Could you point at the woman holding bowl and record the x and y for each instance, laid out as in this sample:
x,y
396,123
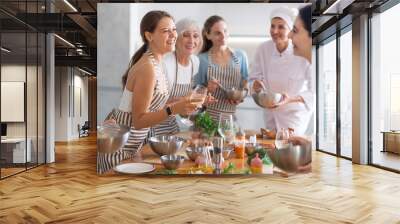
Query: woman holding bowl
x,y
279,71
221,66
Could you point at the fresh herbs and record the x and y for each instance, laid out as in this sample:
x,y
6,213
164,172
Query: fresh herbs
x,y
206,124
230,168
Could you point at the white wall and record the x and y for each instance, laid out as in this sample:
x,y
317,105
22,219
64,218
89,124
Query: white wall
x,y
70,84
116,44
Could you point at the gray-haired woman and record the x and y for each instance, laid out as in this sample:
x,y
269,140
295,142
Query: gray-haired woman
x,y
181,66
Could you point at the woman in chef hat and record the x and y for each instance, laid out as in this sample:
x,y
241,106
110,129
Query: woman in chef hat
x,y
278,70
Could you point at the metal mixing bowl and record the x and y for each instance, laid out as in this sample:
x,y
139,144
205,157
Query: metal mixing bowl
x,y
165,145
172,162
111,138
266,99
235,94
194,152
291,158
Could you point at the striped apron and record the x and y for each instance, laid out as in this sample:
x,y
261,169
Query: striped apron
x,y
229,76
137,137
170,126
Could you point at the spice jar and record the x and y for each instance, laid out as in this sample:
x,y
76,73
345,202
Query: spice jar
x,y
256,165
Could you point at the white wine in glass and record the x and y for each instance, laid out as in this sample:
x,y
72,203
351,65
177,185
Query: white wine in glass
x,y
197,98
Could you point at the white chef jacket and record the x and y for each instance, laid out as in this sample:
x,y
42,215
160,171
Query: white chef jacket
x,y
285,73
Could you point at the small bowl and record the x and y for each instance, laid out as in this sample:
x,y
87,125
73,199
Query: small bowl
x,y
165,145
172,162
266,99
194,152
236,94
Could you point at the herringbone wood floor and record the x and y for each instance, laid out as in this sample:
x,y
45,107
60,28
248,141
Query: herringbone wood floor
x,y
69,191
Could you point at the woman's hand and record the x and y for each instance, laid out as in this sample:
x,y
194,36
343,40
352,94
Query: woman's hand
x,y
212,85
210,100
297,140
110,122
258,85
284,100
235,102
184,106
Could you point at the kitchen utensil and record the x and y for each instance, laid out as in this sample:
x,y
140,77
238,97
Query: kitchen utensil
x,y
111,137
291,158
134,168
172,162
165,145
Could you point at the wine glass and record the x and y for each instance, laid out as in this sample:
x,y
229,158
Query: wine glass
x,y
282,138
197,97
226,127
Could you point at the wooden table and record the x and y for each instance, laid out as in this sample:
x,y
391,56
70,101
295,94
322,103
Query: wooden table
x,y
189,168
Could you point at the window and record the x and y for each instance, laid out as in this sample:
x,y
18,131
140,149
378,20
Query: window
x,y
385,89
327,96
346,93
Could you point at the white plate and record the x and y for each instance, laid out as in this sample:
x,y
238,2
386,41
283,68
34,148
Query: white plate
x,y
134,168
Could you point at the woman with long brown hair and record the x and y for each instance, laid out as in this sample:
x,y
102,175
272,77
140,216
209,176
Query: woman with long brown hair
x,y
301,34
220,65
146,88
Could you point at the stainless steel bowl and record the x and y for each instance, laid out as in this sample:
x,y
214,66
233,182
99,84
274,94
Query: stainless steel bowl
x,y
266,99
111,138
291,158
194,152
165,145
235,94
172,162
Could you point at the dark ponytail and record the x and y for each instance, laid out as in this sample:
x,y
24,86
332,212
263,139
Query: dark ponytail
x,y
206,30
305,16
148,24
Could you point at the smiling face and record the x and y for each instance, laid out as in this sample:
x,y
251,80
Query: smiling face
x,y
188,41
218,34
279,30
301,40
164,36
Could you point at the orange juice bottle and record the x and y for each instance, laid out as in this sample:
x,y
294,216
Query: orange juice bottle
x,y
240,144
239,149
